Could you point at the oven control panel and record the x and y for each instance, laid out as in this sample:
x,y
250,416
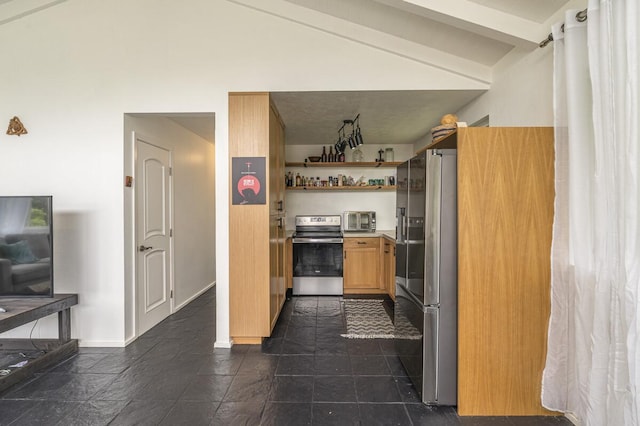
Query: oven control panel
x,y
332,220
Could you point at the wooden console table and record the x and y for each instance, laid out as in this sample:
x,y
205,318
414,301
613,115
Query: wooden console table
x,y
23,310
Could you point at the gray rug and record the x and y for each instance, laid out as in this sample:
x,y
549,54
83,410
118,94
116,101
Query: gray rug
x,y
368,319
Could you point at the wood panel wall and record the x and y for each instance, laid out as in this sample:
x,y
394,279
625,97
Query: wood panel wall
x,y
249,224
505,217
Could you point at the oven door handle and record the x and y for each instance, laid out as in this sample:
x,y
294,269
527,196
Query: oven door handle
x,y
317,240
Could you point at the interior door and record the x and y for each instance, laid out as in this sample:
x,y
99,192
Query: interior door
x,y
153,219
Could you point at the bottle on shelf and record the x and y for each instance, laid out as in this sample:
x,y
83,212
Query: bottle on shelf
x,y
330,157
341,157
298,181
323,157
357,155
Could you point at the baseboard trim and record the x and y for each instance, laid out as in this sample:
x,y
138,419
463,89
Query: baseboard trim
x,y
103,343
219,344
195,296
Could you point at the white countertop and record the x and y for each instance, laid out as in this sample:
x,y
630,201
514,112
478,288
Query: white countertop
x,y
391,234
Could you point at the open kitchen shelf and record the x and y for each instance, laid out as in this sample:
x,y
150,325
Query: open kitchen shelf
x,y
346,164
342,188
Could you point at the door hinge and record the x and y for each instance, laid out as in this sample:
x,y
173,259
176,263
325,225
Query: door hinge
x,y
170,171
170,232
171,294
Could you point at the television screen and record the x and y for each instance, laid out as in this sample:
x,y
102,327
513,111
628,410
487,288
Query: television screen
x,y
26,246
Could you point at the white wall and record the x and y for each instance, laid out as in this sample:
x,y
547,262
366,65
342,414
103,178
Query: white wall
x,y
334,202
193,204
521,93
76,68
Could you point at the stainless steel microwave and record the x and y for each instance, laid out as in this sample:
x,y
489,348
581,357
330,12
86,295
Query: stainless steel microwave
x,y
360,221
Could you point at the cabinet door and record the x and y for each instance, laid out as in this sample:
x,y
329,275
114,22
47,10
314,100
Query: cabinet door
x,y
505,221
282,259
277,284
389,274
276,163
362,264
274,270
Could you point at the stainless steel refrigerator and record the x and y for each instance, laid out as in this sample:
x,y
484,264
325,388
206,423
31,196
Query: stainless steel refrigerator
x,y
425,314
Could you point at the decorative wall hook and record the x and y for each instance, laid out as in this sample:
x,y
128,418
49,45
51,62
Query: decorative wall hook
x,y
16,127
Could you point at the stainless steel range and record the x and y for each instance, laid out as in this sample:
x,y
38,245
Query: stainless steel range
x,y
317,255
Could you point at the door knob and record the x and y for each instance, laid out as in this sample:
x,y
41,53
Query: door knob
x,y
143,248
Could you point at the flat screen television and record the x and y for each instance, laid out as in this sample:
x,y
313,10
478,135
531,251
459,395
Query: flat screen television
x,y
26,246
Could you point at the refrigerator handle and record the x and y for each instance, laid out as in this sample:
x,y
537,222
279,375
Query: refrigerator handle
x,y
404,227
401,224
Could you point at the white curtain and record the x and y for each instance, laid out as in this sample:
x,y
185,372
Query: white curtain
x,y
593,354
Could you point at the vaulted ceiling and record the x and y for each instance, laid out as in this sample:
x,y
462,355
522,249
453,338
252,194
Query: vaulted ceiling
x,y
470,38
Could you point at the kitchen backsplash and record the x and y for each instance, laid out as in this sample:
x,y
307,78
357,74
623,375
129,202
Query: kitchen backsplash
x,y
336,202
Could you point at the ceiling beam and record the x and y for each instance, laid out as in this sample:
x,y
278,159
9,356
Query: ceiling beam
x,y
476,18
13,10
372,38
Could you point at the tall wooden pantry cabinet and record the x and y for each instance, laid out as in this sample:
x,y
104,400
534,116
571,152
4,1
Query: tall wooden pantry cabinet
x,y
505,218
256,231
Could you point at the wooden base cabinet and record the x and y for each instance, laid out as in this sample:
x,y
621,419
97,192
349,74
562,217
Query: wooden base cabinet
x,y
389,262
505,218
257,285
362,267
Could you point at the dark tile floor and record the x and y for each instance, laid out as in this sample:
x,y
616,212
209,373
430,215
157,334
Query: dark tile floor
x,y
305,374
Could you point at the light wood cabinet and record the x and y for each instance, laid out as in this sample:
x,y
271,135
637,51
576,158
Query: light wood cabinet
x,y
256,232
505,217
389,262
362,267
277,239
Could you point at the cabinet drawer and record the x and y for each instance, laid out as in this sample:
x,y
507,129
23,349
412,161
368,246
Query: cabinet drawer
x,y
353,243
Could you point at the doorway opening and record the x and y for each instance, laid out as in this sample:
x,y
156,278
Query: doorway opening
x,y
187,268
